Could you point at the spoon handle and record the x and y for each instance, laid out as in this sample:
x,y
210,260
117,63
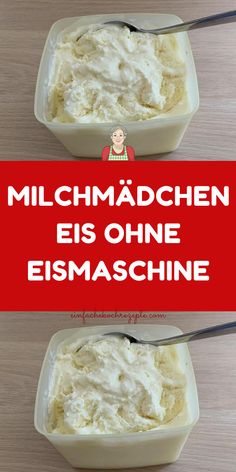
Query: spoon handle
x,y
219,330
219,19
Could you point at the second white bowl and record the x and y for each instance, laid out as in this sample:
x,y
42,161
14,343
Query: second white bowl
x,y
117,451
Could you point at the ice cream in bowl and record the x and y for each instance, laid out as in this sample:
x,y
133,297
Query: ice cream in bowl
x,y
93,75
104,402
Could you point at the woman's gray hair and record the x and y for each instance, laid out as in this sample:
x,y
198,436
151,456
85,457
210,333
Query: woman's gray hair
x,y
115,128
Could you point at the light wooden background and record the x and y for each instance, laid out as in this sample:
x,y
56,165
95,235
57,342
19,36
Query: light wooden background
x,y
24,25
23,341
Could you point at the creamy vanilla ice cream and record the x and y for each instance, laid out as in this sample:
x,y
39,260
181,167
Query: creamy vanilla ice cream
x,y
107,385
109,74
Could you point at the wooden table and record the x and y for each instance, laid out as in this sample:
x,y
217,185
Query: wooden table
x,y
23,341
23,29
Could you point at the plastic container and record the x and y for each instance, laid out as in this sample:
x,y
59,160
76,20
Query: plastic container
x,y
111,451
148,137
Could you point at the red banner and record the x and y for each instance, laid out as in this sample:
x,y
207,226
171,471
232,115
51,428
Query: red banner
x,y
117,236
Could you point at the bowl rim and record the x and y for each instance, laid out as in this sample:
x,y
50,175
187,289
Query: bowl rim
x,y
139,435
128,124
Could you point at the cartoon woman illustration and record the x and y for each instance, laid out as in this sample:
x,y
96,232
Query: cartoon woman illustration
x,y
118,151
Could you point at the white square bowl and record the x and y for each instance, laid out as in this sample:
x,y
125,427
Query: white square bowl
x,y
117,451
154,136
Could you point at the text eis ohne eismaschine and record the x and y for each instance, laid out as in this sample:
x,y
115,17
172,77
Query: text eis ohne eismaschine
x,y
114,233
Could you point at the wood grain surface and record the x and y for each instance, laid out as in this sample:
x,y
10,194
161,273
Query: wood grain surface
x,y
23,341
24,25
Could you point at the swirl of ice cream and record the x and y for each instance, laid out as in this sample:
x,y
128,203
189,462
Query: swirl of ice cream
x,y
109,386
110,74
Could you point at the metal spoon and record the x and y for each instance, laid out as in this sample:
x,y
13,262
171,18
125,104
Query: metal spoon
x,y
219,330
220,18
